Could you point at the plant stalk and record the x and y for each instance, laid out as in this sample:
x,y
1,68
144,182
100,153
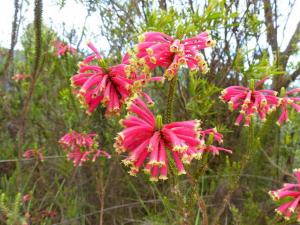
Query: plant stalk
x,y
170,101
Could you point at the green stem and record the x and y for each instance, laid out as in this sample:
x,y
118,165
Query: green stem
x,y
158,122
170,101
252,84
236,180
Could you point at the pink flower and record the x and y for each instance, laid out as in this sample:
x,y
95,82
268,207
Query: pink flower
x,y
81,147
19,77
148,141
292,193
287,101
62,48
97,83
34,153
26,198
250,102
48,213
159,49
210,135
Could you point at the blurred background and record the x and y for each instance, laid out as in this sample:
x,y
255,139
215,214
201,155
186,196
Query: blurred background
x,y
254,38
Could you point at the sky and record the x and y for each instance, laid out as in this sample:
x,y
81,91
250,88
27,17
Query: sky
x,y
73,15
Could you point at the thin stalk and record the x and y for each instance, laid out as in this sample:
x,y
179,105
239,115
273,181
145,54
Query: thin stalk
x,y
137,194
165,201
200,201
244,162
100,191
64,72
170,101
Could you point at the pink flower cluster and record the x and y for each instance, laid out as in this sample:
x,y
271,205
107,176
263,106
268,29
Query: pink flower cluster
x,y
145,138
26,198
111,86
159,49
291,192
81,147
34,153
285,102
61,48
19,77
250,102
210,135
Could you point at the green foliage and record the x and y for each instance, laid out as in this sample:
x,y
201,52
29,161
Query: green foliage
x,y
11,209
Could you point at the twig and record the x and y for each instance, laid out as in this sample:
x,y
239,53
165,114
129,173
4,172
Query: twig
x,y
32,159
200,201
275,165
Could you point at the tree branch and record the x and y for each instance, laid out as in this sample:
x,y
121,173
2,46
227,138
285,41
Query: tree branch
x,y
162,4
294,75
271,29
292,45
13,42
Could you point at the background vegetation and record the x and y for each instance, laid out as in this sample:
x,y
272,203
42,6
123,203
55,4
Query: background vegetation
x,y
36,112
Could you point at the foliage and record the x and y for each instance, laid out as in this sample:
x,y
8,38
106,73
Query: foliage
x,y
103,192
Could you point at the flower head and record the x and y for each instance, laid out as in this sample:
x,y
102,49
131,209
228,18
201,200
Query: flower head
x,y
159,49
250,102
19,77
62,48
208,137
287,101
48,213
26,198
292,193
34,153
97,83
81,147
149,141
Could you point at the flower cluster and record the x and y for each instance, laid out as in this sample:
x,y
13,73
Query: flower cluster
x,y
19,77
291,192
145,138
34,153
81,147
26,198
159,49
250,102
287,101
48,213
208,137
62,49
112,86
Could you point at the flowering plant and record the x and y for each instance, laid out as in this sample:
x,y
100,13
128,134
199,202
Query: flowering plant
x,y
156,144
